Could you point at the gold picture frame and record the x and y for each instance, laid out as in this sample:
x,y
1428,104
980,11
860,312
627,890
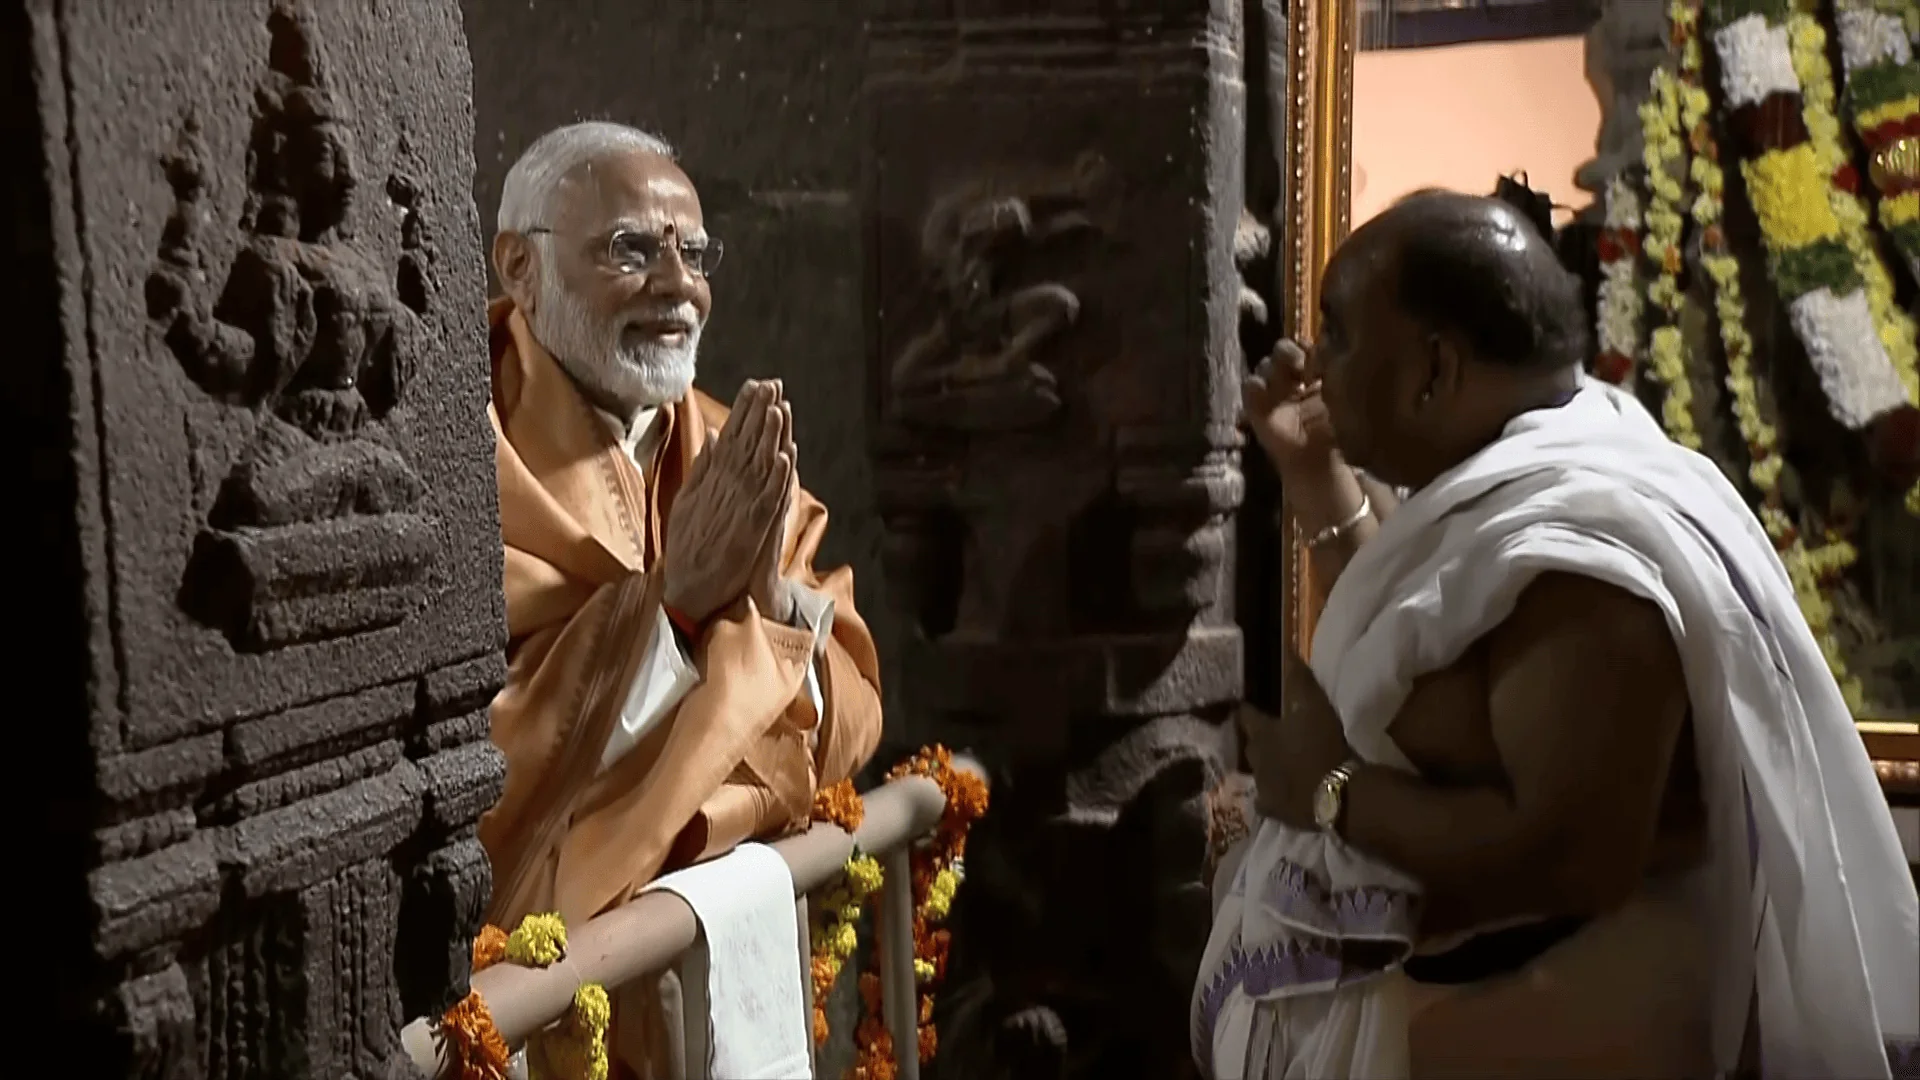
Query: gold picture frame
x,y
1318,180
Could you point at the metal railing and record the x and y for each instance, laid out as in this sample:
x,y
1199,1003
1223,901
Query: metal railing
x,y
655,930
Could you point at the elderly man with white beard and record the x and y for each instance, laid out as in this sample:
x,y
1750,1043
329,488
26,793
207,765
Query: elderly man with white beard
x,y
680,678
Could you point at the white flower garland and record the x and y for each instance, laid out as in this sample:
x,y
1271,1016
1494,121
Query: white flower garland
x,y
1846,353
1791,193
1620,301
1757,59
1869,37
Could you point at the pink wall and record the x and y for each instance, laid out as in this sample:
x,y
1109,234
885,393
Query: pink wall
x,y
1460,116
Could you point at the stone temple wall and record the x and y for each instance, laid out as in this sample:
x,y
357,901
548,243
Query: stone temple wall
x,y
262,619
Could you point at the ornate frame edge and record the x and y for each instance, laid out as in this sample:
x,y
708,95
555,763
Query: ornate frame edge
x,y
1318,176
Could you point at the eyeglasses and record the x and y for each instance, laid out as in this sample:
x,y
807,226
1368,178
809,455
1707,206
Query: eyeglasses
x,y
630,251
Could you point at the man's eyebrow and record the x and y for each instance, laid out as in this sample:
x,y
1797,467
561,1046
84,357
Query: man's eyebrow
x,y
632,224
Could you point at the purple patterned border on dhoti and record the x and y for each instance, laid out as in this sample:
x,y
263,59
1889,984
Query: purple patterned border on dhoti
x,y
1345,936
1273,968
1370,912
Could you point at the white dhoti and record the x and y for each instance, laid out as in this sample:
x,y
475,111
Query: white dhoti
x,y
1805,909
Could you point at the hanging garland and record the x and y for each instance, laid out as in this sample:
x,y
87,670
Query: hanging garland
x,y
939,867
833,923
575,1048
1617,328
1897,434
1883,98
1812,572
1665,153
1808,258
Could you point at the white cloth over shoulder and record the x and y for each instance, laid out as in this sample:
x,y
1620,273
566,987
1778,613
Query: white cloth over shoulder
x,y
758,1026
1815,906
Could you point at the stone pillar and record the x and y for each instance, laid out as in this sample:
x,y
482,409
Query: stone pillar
x,y
1623,48
1051,193
261,554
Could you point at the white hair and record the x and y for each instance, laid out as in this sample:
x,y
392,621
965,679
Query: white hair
x,y
526,199
603,356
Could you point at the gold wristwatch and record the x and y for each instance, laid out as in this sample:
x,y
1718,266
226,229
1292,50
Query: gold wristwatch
x,y
1330,798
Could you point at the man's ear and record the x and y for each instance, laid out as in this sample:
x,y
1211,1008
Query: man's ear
x,y
1446,367
518,266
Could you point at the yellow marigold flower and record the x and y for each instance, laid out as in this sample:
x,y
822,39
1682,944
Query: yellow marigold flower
x,y
538,941
864,876
922,970
1868,119
845,939
940,893
1902,209
1790,198
591,1007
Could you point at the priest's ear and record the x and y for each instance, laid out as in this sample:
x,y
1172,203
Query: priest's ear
x,y
1443,367
517,262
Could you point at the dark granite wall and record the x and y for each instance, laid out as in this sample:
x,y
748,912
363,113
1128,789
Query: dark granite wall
x,y
261,527
760,98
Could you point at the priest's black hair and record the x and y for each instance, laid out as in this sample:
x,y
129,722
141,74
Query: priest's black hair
x,y
1501,288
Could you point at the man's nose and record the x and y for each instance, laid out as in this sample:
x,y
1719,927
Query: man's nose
x,y
670,278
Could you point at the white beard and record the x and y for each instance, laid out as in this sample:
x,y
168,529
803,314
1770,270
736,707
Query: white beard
x,y
610,359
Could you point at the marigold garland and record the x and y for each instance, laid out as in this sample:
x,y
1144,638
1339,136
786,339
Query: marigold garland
x,y
1664,151
1883,91
1883,102
575,1048
833,917
1810,571
1617,324
1790,180
939,868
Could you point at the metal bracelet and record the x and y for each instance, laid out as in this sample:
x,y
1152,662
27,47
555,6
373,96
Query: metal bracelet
x,y
1334,532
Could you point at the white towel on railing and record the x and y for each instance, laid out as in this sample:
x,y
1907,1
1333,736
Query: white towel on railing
x,y
757,1014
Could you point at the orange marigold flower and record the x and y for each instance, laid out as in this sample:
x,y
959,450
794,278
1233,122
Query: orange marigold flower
x,y
929,1042
473,1045
839,804
489,947
820,1031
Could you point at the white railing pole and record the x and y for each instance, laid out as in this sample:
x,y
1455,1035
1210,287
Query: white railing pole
x,y
801,914
650,933
696,1011
899,992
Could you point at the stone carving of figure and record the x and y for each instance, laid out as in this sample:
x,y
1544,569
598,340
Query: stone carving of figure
x,y
312,334
990,326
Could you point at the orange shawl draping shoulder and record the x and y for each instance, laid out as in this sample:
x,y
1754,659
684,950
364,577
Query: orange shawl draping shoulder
x,y
582,530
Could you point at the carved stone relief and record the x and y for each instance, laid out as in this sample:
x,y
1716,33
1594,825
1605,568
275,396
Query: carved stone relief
x,y
264,499
318,340
1056,373
979,366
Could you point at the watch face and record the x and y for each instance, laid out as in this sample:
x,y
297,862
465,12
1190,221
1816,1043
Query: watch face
x,y
1326,805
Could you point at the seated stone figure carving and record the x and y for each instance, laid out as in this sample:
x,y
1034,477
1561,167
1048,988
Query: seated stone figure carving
x,y
680,676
